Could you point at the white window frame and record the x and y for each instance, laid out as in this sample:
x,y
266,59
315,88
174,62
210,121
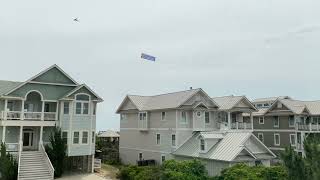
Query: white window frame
x,y
276,120
163,117
158,144
261,118
64,137
143,117
186,118
163,155
295,137
261,134
93,138
274,139
139,156
200,145
207,112
64,107
78,137
294,121
87,137
82,102
175,140
123,117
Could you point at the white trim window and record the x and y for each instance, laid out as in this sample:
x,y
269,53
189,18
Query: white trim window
x,y
65,136
66,107
93,137
183,119
207,117
260,137
76,137
293,139
123,117
261,120
158,142
276,121
82,103
173,140
140,156
276,138
142,116
163,158
202,145
85,136
291,121
163,116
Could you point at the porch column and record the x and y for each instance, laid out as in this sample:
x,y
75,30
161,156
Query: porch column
x,y
5,109
4,134
57,108
251,120
20,139
42,111
229,120
302,142
22,110
41,132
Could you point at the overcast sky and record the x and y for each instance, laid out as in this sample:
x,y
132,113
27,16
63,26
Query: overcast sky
x,y
242,47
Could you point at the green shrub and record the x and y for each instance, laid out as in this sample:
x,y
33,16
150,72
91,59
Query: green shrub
x,y
57,152
8,165
245,172
133,172
184,170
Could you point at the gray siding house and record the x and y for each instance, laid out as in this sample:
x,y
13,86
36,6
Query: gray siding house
x,y
190,124
30,110
283,121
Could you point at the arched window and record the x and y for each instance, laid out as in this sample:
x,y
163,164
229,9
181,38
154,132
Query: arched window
x,y
82,104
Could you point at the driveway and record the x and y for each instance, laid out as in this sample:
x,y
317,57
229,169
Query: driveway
x,y
82,177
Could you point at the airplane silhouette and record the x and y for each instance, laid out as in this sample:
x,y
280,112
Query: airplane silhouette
x,y
76,19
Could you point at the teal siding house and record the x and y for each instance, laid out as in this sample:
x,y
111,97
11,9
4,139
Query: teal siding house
x,y
30,110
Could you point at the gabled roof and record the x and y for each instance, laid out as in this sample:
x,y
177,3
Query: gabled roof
x,y
162,101
38,75
270,99
226,149
6,86
79,87
296,107
229,102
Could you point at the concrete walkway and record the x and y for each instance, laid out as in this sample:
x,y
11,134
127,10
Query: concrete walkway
x,y
82,177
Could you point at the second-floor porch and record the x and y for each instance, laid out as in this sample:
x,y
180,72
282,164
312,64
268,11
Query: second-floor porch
x,y
31,108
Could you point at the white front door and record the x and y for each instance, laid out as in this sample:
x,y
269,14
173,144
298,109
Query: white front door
x,y
27,140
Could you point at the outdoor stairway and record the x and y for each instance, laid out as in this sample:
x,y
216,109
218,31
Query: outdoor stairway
x,y
33,166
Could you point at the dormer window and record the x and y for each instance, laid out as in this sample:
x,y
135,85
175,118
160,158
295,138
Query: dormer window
x,y
202,145
82,104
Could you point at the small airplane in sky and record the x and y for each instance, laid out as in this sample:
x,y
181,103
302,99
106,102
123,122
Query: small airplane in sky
x,y
76,19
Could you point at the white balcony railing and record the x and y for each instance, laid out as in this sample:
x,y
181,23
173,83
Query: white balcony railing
x,y
12,147
308,127
97,163
49,116
241,125
16,115
32,115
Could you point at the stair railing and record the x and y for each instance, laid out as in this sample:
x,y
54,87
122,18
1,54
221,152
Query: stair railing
x,y
19,158
45,155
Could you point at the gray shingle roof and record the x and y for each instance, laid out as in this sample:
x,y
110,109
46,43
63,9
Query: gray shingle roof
x,y
226,149
268,99
227,102
6,86
163,101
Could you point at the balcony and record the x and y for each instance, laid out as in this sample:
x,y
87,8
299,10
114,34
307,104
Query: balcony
x,y
308,127
241,125
31,116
